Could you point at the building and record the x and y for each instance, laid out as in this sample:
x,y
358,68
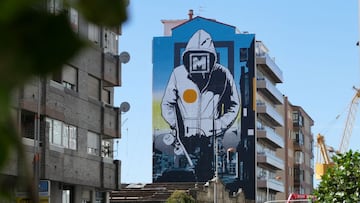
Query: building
x,y
199,67
269,126
285,159
299,154
263,167
68,121
160,192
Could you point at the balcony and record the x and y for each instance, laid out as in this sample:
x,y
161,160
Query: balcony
x,y
271,184
269,90
112,70
269,66
299,176
269,113
271,160
29,96
270,136
93,58
297,123
111,125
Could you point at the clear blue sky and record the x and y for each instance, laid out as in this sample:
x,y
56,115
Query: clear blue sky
x,y
313,43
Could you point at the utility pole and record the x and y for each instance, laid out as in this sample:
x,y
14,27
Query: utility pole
x,y
36,160
216,157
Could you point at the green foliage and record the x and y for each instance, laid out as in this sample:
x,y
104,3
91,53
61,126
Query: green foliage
x,y
35,42
180,197
341,183
94,11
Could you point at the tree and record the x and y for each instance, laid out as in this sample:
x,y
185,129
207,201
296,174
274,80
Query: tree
x,y
341,183
179,196
36,42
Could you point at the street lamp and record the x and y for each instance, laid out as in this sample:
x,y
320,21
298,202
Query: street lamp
x,y
267,185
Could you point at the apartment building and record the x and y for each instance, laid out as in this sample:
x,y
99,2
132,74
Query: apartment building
x,y
269,126
285,160
299,156
265,158
68,121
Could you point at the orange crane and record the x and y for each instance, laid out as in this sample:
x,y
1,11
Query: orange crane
x,y
325,161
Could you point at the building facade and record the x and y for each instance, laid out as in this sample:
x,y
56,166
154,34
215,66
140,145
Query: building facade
x,y
68,121
267,155
285,160
203,97
299,156
269,125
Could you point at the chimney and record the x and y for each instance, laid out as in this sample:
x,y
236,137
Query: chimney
x,y
191,13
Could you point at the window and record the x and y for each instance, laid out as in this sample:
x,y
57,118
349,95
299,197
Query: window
x,y
299,157
106,148
110,42
94,87
93,143
100,197
68,77
93,33
66,196
105,96
74,19
299,190
243,54
28,124
55,6
298,138
297,118
86,196
62,134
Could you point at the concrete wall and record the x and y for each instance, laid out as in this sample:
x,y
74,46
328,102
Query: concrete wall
x,y
222,194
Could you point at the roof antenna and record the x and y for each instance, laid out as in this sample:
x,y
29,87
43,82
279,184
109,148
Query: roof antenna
x,y
191,13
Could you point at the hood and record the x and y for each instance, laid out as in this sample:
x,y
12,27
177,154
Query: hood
x,y
200,41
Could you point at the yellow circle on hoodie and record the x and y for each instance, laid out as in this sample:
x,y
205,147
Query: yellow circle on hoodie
x,y
190,96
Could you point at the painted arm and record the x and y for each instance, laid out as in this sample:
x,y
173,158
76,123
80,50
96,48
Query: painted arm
x,y
169,101
230,106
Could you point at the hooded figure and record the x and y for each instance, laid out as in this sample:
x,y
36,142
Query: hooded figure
x,y
203,91
200,102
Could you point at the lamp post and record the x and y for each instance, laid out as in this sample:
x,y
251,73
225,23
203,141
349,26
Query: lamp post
x,y
267,185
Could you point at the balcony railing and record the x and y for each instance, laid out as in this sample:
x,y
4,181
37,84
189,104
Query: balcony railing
x,y
270,113
111,125
112,70
265,86
270,67
271,184
270,159
271,136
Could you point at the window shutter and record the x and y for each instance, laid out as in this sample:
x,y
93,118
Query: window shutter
x,y
70,75
93,143
93,87
93,33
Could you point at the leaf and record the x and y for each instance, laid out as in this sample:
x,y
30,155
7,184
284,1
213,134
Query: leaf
x,y
341,182
36,43
10,8
104,12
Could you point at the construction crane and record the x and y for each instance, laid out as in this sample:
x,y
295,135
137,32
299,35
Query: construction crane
x,y
344,144
325,161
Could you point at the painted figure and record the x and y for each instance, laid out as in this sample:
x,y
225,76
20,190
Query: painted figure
x,y
200,103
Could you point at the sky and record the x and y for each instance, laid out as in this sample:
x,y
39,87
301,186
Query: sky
x,y
312,42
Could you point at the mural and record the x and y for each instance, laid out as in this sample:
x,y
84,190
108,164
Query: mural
x,y
202,105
